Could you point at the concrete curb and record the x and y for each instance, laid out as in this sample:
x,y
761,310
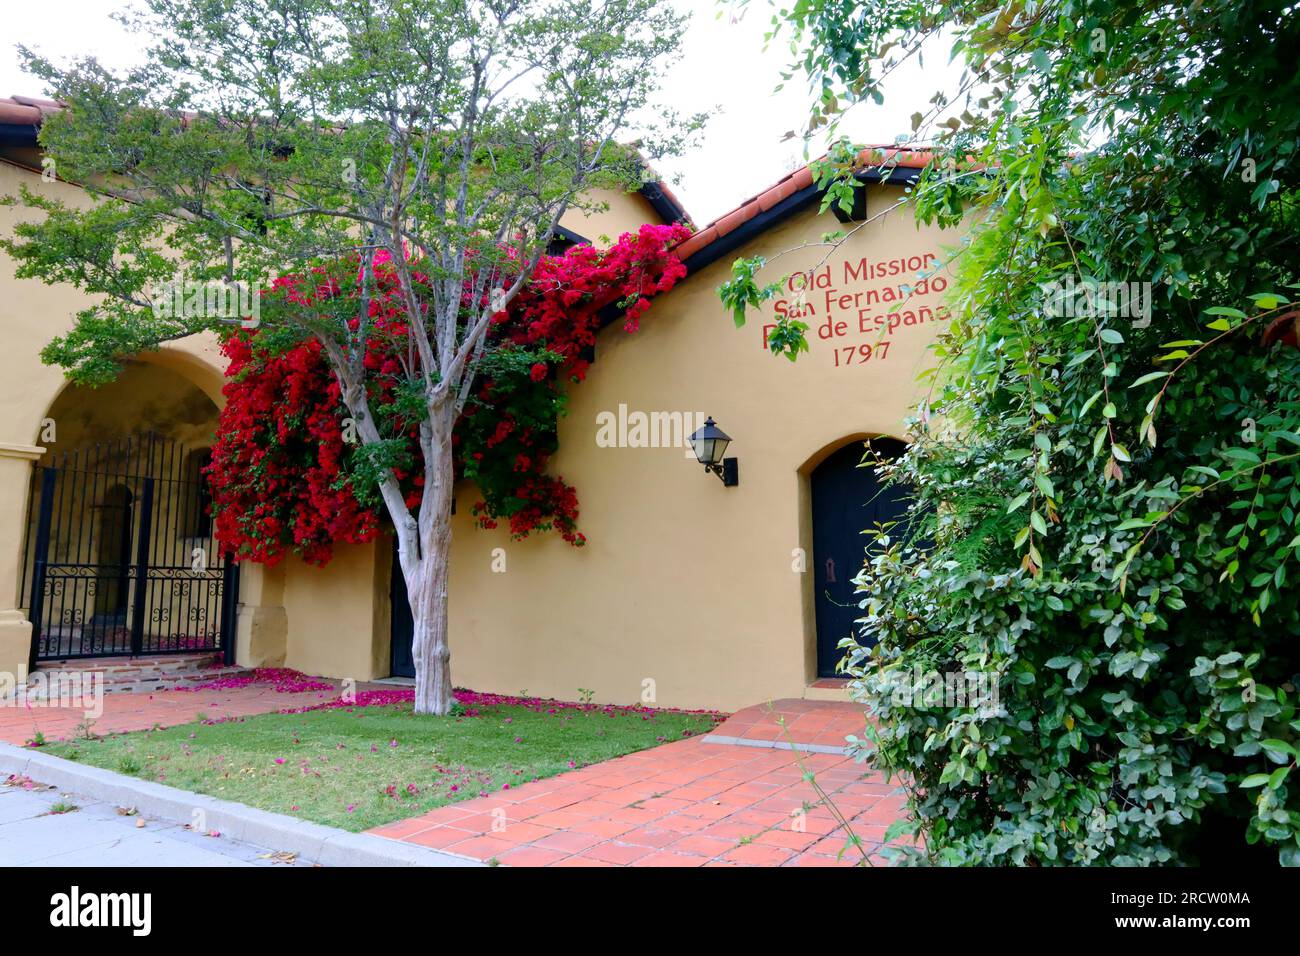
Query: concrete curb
x,y
775,745
328,846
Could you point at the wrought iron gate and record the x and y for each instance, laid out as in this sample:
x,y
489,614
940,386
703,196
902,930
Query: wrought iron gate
x,y
120,555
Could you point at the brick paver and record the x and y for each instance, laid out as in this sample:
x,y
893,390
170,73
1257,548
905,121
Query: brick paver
x,y
691,803
140,711
695,802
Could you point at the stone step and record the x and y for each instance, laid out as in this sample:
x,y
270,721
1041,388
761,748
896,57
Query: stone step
x,y
161,663
131,675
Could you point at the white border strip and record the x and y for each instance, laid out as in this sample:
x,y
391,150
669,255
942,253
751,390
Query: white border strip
x,y
776,745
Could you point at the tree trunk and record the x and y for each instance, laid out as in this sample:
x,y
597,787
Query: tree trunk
x,y
426,577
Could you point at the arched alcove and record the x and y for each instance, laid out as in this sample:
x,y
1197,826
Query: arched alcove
x,y
147,398
119,557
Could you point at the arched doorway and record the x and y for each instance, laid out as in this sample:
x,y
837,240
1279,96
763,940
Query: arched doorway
x,y
119,557
846,500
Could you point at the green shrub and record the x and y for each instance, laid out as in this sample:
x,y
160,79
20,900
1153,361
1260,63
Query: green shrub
x,y
1107,514
1130,724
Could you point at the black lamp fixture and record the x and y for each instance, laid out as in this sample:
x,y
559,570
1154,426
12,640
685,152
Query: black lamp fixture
x,y
710,444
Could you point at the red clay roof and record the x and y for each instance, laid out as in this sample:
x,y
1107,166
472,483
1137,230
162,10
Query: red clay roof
x,y
26,110
32,110
872,156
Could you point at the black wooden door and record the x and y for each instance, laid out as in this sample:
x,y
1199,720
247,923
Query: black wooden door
x,y
846,500
403,625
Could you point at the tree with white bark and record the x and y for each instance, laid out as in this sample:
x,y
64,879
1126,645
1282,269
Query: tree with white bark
x,y
441,139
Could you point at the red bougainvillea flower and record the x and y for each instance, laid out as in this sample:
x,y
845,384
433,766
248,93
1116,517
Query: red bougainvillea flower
x,y
281,470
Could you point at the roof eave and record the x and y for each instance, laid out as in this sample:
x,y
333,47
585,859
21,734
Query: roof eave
x,y
663,202
18,134
783,210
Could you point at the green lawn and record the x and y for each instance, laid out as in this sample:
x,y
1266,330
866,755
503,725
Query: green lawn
x,y
360,767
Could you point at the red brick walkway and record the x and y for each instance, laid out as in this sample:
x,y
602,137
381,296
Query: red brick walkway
x,y
690,803
697,802
140,711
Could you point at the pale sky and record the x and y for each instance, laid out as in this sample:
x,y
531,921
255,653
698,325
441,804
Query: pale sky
x,y
724,71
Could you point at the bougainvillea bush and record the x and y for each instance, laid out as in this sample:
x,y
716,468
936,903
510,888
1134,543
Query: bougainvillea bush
x,y
285,477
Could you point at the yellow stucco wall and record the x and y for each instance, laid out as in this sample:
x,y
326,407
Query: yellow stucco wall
x,y
338,615
621,213
332,621
31,314
685,582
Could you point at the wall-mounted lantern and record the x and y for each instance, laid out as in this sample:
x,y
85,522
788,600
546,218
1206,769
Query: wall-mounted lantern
x,y
710,444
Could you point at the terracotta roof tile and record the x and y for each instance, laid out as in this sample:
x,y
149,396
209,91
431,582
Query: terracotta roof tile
x,y
697,242
731,221
26,110
800,179
19,114
778,193
38,101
